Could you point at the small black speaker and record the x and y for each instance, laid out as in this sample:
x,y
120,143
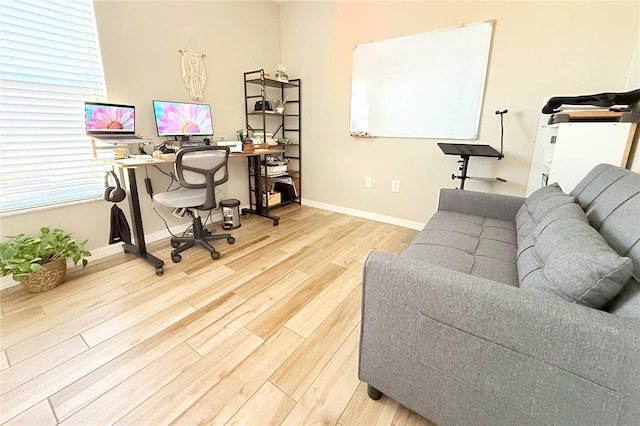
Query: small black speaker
x,y
259,106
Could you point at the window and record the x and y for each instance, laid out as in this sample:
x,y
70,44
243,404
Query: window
x,y
50,64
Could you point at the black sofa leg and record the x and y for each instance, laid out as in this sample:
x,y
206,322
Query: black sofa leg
x,y
373,393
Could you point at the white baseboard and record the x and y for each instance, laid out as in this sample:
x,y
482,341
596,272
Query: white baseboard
x,y
102,252
365,215
109,250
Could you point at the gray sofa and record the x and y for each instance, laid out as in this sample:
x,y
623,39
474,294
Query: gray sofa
x,y
513,311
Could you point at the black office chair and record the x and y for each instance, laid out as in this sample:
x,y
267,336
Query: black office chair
x,y
199,169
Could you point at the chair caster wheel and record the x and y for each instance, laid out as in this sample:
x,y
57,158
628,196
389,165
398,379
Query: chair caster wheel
x,y
175,245
176,258
159,270
231,240
275,223
215,255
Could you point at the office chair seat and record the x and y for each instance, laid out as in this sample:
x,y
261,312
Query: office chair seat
x,y
182,197
199,169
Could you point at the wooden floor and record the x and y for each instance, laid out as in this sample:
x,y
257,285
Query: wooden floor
x,y
267,334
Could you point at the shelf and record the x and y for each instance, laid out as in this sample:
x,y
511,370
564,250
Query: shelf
x,y
272,113
269,89
271,83
585,116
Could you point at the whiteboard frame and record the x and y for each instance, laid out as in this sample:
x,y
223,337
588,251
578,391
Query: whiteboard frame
x,y
426,85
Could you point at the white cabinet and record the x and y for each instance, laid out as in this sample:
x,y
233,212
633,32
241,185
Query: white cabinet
x,y
542,154
580,146
566,151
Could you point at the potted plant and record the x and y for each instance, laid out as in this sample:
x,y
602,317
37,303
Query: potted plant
x,y
280,103
39,262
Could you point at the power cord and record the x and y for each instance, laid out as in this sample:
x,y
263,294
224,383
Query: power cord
x,y
171,176
166,225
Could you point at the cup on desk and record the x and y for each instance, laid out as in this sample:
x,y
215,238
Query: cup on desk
x,y
120,153
248,146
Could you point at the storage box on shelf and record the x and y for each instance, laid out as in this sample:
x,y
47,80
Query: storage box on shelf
x,y
269,198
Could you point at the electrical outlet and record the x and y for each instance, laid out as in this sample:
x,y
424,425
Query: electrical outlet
x,y
395,185
367,182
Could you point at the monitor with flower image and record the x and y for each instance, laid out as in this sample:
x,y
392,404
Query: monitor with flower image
x,y
182,120
109,119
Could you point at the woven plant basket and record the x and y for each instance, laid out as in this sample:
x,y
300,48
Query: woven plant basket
x,y
51,275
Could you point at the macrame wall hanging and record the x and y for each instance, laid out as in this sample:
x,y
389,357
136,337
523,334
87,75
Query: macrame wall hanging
x,y
193,73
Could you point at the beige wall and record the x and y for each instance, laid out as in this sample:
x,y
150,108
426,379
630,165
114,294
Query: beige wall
x,y
140,43
540,49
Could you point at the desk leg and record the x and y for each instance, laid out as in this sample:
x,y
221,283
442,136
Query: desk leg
x,y
139,247
261,209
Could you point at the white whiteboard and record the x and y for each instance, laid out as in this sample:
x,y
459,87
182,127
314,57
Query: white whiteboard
x,y
428,85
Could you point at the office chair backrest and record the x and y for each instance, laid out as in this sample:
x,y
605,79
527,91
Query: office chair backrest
x,y
203,167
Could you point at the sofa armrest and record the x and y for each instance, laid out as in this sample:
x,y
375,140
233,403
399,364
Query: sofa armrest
x,y
556,362
496,206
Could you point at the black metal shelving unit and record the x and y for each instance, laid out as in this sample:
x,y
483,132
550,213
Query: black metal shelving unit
x,y
260,88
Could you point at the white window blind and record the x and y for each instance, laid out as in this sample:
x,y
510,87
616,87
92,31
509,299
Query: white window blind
x,y
50,64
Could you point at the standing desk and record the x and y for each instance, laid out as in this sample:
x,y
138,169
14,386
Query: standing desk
x,y
128,173
466,151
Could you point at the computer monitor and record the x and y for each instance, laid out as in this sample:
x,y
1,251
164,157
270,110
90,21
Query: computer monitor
x,y
181,119
109,119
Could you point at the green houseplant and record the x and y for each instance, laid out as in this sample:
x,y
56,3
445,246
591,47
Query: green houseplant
x,y
39,262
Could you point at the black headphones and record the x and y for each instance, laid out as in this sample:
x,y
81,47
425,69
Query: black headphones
x,y
114,194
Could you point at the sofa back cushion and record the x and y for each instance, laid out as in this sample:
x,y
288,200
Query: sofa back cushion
x,y
537,206
610,196
565,257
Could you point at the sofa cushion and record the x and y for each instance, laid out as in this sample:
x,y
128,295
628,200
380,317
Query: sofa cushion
x,y
537,206
568,211
471,244
610,196
565,257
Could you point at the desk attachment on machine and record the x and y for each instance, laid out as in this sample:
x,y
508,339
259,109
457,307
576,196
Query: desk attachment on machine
x,y
466,151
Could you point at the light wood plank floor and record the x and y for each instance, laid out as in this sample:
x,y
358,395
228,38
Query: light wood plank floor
x,y
267,334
